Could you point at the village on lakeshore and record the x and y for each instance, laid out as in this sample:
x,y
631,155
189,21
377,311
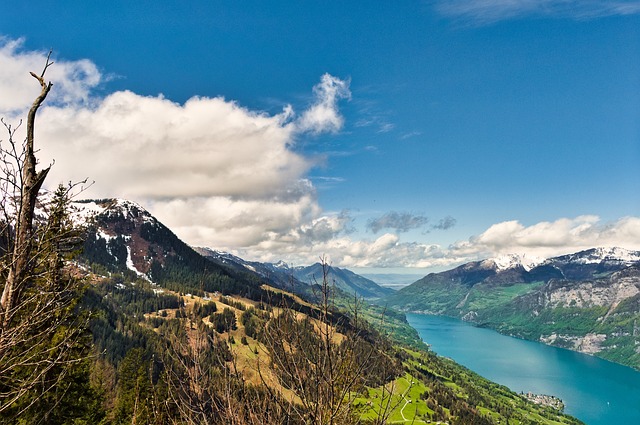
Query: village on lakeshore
x,y
545,400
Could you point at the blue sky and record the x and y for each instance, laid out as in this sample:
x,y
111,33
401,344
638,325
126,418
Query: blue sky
x,y
398,136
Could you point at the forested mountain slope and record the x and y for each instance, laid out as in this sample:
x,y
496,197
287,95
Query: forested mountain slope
x,y
344,279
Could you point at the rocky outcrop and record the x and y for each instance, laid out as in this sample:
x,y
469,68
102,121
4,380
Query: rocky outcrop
x,y
607,292
591,343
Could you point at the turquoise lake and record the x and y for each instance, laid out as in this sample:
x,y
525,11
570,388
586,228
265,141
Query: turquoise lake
x,y
595,391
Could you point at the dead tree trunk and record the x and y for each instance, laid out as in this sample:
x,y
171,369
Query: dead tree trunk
x,y
31,181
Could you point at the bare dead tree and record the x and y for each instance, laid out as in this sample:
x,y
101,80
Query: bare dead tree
x,y
387,402
190,375
40,333
321,367
205,385
28,184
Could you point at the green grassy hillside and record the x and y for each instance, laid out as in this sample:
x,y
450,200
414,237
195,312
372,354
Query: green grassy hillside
x,y
399,385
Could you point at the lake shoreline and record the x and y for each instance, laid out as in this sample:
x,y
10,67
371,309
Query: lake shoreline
x,y
587,349
593,390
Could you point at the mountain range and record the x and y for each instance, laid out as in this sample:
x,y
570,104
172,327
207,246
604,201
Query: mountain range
x,y
297,278
125,237
587,301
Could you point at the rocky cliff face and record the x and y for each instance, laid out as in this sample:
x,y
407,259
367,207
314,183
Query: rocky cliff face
x,y
607,292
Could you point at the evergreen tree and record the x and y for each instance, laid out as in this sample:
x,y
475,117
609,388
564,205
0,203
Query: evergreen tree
x,y
134,390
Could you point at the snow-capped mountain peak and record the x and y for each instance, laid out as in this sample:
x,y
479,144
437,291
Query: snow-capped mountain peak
x,y
85,210
281,265
509,261
603,254
222,256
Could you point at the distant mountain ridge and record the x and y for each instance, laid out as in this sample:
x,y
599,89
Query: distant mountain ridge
x,y
595,261
344,279
587,301
288,277
509,261
521,269
277,273
125,237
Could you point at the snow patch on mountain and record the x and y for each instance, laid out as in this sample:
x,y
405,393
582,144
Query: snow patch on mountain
x,y
133,268
132,209
615,255
222,256
510,261
281,265
102,235
83,211
609,254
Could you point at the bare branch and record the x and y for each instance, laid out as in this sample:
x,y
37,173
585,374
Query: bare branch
x,y
41,332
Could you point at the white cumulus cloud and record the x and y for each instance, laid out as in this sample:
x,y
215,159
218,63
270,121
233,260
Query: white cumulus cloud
x,y
551,238
324,115
217,173
73,80
150,147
